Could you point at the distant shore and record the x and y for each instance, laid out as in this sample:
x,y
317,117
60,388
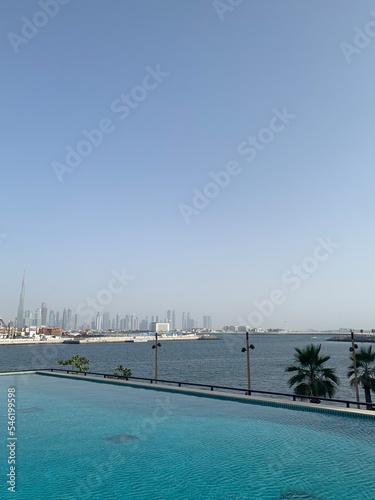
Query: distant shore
x,y
48,340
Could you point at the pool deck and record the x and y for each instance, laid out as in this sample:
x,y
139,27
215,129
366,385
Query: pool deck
x,y
267,401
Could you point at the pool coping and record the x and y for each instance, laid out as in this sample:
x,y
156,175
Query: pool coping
x,y
264,401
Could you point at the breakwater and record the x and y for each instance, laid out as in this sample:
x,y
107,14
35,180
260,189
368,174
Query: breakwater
x,y
359,337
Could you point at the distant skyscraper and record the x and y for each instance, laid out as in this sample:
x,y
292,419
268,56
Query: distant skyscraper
x,y
38,317
57,320
44,314
52,319
98,323
106,321
169,317
76,320
118,319
69,319
173,320
207,322
65,320
21,305
183,321
29,318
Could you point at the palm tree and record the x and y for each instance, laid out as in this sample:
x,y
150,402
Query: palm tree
x,y
124,372
365,361
312,377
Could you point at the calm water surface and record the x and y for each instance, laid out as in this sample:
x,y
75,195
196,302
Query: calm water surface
x,y
218,362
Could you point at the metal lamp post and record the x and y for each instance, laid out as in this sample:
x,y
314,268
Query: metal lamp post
x,y
247,350
155,346
352,349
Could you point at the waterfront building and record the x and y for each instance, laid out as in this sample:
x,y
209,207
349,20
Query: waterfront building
x,y
76,321
173,320
50,330
159,327
118,320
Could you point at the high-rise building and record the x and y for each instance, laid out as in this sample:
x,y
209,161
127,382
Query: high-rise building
x,y
21,305
38,317
70,319
207,322
65,320
57,320
173,320
44,314
190,323
98,322
52,319
106,321
183,321
169,317
132,320
136,324
29,318
118,319
76,321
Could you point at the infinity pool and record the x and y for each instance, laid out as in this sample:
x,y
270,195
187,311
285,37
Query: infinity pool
x,y
80,440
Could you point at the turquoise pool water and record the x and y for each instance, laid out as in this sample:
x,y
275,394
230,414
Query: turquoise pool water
x,y
86,440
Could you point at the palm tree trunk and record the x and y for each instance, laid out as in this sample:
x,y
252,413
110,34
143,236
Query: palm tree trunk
x,y
368,398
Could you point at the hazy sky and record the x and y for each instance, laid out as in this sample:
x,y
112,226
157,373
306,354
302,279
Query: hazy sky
x,y
278,95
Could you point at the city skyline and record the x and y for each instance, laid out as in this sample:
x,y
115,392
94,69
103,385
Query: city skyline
x,y
99,321
188,158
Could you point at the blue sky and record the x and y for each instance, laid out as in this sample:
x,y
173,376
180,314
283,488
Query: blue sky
x,y
218,82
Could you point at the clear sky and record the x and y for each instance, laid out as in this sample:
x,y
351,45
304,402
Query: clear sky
x,y
278,94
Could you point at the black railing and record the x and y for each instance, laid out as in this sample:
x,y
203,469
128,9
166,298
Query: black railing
x,y
212,387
